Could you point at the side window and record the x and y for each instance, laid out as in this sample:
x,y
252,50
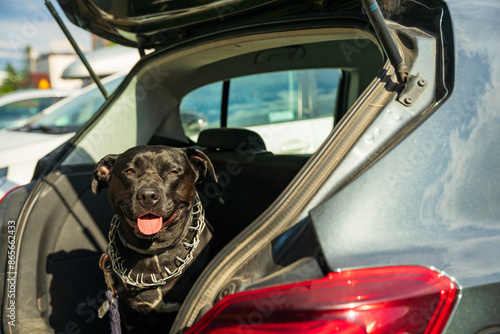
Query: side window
x,y
201,109
293,111
263,99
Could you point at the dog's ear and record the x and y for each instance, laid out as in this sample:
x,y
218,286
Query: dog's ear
x,y
201,163
102,173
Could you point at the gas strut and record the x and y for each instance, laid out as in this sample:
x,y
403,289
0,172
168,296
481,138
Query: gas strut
x,y
377,20
77,49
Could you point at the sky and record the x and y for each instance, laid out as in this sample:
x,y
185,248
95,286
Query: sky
x,y
29,22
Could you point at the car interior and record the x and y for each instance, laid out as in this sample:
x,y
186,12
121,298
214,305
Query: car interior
x,y
74,223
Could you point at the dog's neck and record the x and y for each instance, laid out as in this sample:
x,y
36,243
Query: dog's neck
x,y
175,269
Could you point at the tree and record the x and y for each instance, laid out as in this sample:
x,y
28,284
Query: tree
x,y
12,81
17,79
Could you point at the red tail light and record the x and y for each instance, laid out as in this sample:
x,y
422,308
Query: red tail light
x,y
403,299
8,193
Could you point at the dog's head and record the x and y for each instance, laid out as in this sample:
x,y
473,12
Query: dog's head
x,y
152,188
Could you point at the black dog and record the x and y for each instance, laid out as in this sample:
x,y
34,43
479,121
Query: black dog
x,y
159,240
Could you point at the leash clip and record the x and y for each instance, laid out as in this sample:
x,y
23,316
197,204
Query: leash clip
x,y
107,269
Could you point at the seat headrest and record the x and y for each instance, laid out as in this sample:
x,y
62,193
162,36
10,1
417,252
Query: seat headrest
x,y
227,139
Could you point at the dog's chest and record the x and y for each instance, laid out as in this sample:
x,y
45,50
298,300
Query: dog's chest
x,y
152,300
164,298
161,299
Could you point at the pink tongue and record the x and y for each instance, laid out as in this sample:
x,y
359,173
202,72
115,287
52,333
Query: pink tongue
x,y
149,224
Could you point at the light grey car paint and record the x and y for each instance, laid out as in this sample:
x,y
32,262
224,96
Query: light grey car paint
x,y
434,199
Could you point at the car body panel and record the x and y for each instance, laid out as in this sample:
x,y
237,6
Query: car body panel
x,y
441,202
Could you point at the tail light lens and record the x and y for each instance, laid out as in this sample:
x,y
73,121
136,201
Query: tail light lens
x,y
401,299
8,193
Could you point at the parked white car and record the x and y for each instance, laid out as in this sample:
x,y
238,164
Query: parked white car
x,y
23,146
104,61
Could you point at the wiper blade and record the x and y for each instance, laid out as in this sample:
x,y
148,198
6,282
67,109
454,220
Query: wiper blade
x,y
45,129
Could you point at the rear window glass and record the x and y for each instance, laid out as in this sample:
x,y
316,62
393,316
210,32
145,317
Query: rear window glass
x,y
293,111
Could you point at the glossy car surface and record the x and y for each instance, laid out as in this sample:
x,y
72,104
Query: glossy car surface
x,y
391,225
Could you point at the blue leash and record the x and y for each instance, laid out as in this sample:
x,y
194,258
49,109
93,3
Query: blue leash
x,y
114,314
111,303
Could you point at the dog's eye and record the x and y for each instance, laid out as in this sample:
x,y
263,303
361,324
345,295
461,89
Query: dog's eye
x,y
174,171
130,171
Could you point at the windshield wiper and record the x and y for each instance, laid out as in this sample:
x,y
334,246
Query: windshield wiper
x,y
45,129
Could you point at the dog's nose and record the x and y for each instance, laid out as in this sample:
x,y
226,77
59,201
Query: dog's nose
x,y
148,197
